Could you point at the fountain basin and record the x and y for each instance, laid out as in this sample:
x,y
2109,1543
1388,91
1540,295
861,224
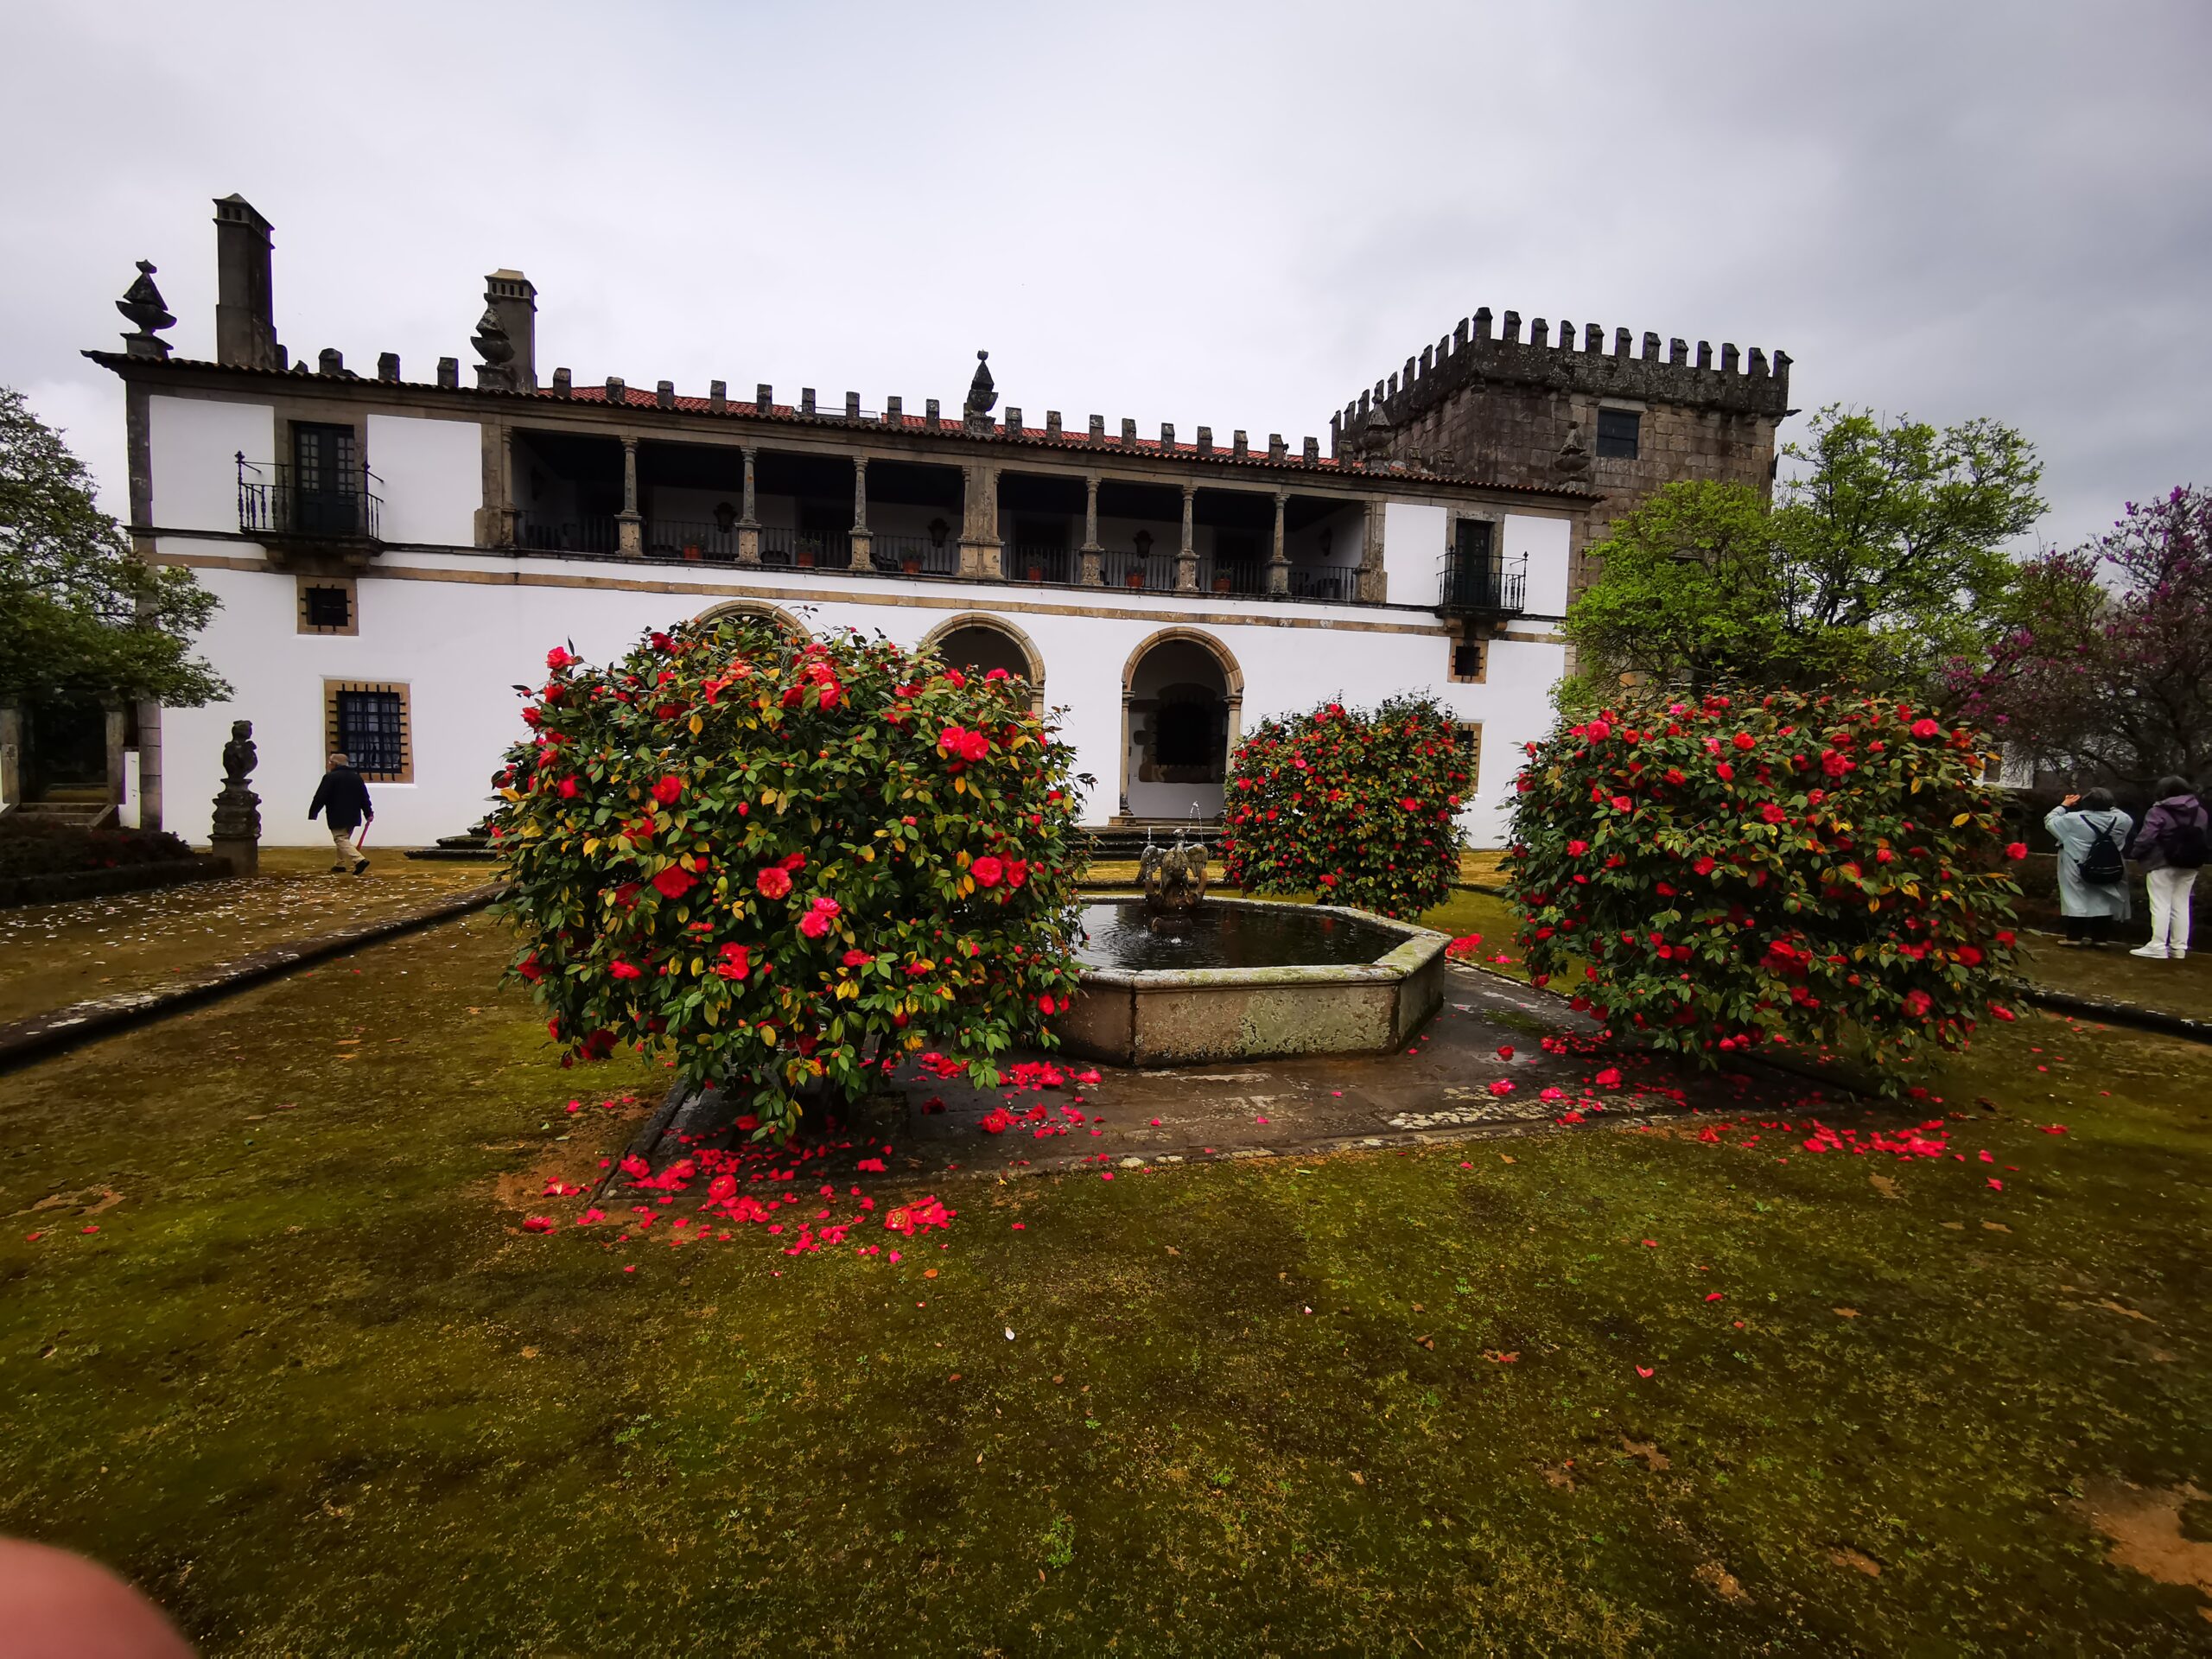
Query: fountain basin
x,y
1264,980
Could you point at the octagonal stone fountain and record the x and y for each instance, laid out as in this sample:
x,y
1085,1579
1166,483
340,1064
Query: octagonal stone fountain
x,y
1172,978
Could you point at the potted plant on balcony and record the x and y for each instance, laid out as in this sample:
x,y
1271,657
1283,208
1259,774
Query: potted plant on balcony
x,y
1035,571
910,564
803,556
691,551
1221,581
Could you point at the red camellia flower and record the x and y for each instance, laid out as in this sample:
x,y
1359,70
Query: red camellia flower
x,y
2001,1013
1969,955
530,968
1576,848
557,658
1609,1079
1705,866
621,970
674,881
1925,729
736,962
1745,740
1046,1004
567,788
819,917
1621,803
987,871
1727,773
1773,814
857,958
773,882
2016,851
669,791
1599,731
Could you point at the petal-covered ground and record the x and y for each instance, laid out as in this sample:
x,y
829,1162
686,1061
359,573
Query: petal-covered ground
x,y
54,955
277,1340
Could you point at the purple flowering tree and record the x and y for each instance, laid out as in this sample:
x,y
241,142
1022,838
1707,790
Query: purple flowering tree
x,y
2105,665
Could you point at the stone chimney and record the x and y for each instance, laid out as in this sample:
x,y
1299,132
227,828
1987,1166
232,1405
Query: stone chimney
x,y
246,318
510,293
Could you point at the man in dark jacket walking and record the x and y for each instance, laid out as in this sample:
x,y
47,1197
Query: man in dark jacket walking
x,y
342,799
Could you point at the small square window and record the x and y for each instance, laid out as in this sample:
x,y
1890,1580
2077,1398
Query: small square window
x,y
327,605
1469,659
1618,430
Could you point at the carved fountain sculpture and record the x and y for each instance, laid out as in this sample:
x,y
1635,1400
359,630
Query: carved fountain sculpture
x,y
1174,881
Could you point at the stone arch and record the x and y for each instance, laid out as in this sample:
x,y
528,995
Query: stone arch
x,y
759,607
1025,648
1162,785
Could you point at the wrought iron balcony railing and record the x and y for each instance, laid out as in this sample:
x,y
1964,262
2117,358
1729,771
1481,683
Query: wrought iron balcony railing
x,y
1483,584
272,501
601,535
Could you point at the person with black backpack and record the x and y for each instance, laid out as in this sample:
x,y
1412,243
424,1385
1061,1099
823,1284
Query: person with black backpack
x,y
2170,846
2092,875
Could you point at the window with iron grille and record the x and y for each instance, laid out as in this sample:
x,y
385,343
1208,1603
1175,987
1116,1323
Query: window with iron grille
x,y
368,724
1618,430
1468,657
1470,743
327,608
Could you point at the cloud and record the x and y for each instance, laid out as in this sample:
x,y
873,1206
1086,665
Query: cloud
x,y
1231,214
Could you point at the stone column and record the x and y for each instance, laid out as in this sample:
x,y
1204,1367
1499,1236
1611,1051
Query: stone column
x,y
498,524
118,725
1186,554
1373,587
150,766
630,527
748,526
863,543
979,550
1093,571
11,757
1278,561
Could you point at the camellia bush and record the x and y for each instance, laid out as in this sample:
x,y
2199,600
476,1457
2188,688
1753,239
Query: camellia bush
x,y
1809,869
782,863
1358,805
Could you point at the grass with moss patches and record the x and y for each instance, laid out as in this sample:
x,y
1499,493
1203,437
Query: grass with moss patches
x,y
310,1386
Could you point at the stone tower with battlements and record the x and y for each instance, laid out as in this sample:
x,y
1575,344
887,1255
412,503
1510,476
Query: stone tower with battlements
x,y
1554,410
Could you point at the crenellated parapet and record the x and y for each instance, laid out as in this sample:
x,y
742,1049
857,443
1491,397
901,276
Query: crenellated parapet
x,y
1473,358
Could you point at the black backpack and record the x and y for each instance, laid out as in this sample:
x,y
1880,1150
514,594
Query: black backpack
x,y
2101,866
2184,843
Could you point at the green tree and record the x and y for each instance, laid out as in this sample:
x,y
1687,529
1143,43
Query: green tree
x,y
81,616
1881,560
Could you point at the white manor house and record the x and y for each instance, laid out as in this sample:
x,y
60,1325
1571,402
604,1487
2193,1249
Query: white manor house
x,y
394,554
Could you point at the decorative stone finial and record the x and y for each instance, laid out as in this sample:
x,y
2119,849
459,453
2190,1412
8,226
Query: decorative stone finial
x,y
492,345
1573,457
982,391
142,303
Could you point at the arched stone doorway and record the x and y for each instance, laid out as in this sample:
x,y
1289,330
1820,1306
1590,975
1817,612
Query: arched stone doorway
x,y
767,612
975,643
1182,709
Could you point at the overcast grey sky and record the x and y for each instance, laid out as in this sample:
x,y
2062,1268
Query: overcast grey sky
x,y
1229,214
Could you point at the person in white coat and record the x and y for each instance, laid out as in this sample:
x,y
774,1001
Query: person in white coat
x,y
2091,831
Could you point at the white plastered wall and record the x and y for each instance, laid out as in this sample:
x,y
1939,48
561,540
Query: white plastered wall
x,y
193,444
433,474
1545,542
461,645
1413,552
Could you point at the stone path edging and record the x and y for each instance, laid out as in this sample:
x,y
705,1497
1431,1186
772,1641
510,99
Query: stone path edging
x,y
24,1040
2119,1014
69,886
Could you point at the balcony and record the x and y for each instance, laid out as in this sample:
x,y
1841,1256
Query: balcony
x,y
1481,583
344,514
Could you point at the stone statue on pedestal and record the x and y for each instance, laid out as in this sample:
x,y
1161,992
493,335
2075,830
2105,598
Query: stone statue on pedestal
x,y
237,830
1174,882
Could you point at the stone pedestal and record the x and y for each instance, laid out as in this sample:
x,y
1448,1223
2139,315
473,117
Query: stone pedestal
x,y
236,829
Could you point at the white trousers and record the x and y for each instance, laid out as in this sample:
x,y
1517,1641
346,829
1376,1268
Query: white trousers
x,y
2169,908
341,841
